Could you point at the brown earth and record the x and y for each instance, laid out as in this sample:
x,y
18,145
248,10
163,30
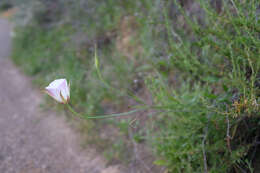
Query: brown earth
x,y
33,140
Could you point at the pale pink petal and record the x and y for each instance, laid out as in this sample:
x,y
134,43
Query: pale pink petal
x,y
63,88
54,94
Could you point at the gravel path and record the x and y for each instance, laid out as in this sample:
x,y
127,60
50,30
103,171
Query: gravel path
x,y
33,141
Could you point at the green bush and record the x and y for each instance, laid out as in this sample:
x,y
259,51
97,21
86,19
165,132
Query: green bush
x,y
218,64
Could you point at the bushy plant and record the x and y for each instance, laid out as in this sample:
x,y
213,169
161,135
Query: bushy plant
x,y
217,62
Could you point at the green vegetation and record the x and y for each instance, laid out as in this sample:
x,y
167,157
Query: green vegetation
x,y
198,64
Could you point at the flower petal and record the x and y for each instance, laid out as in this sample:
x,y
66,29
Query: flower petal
x,y
53,93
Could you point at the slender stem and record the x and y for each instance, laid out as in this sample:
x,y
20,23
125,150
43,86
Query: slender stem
x,y
73,111
105,116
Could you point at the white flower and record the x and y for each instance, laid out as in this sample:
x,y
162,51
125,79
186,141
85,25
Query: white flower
x,y
59,90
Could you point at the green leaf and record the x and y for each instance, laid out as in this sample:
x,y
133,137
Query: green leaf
x,y
210,96
225,88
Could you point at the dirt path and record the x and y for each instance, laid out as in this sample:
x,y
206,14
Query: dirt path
x,y
33,141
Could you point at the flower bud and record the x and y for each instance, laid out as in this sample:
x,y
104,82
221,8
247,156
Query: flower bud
x,y
59,90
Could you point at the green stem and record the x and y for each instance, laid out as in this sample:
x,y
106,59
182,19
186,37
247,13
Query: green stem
x,y
105,116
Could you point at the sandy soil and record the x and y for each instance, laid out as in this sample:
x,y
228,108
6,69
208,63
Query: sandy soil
x,y
33,141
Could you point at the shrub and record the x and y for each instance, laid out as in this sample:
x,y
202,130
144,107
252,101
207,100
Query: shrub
x,y
217,61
